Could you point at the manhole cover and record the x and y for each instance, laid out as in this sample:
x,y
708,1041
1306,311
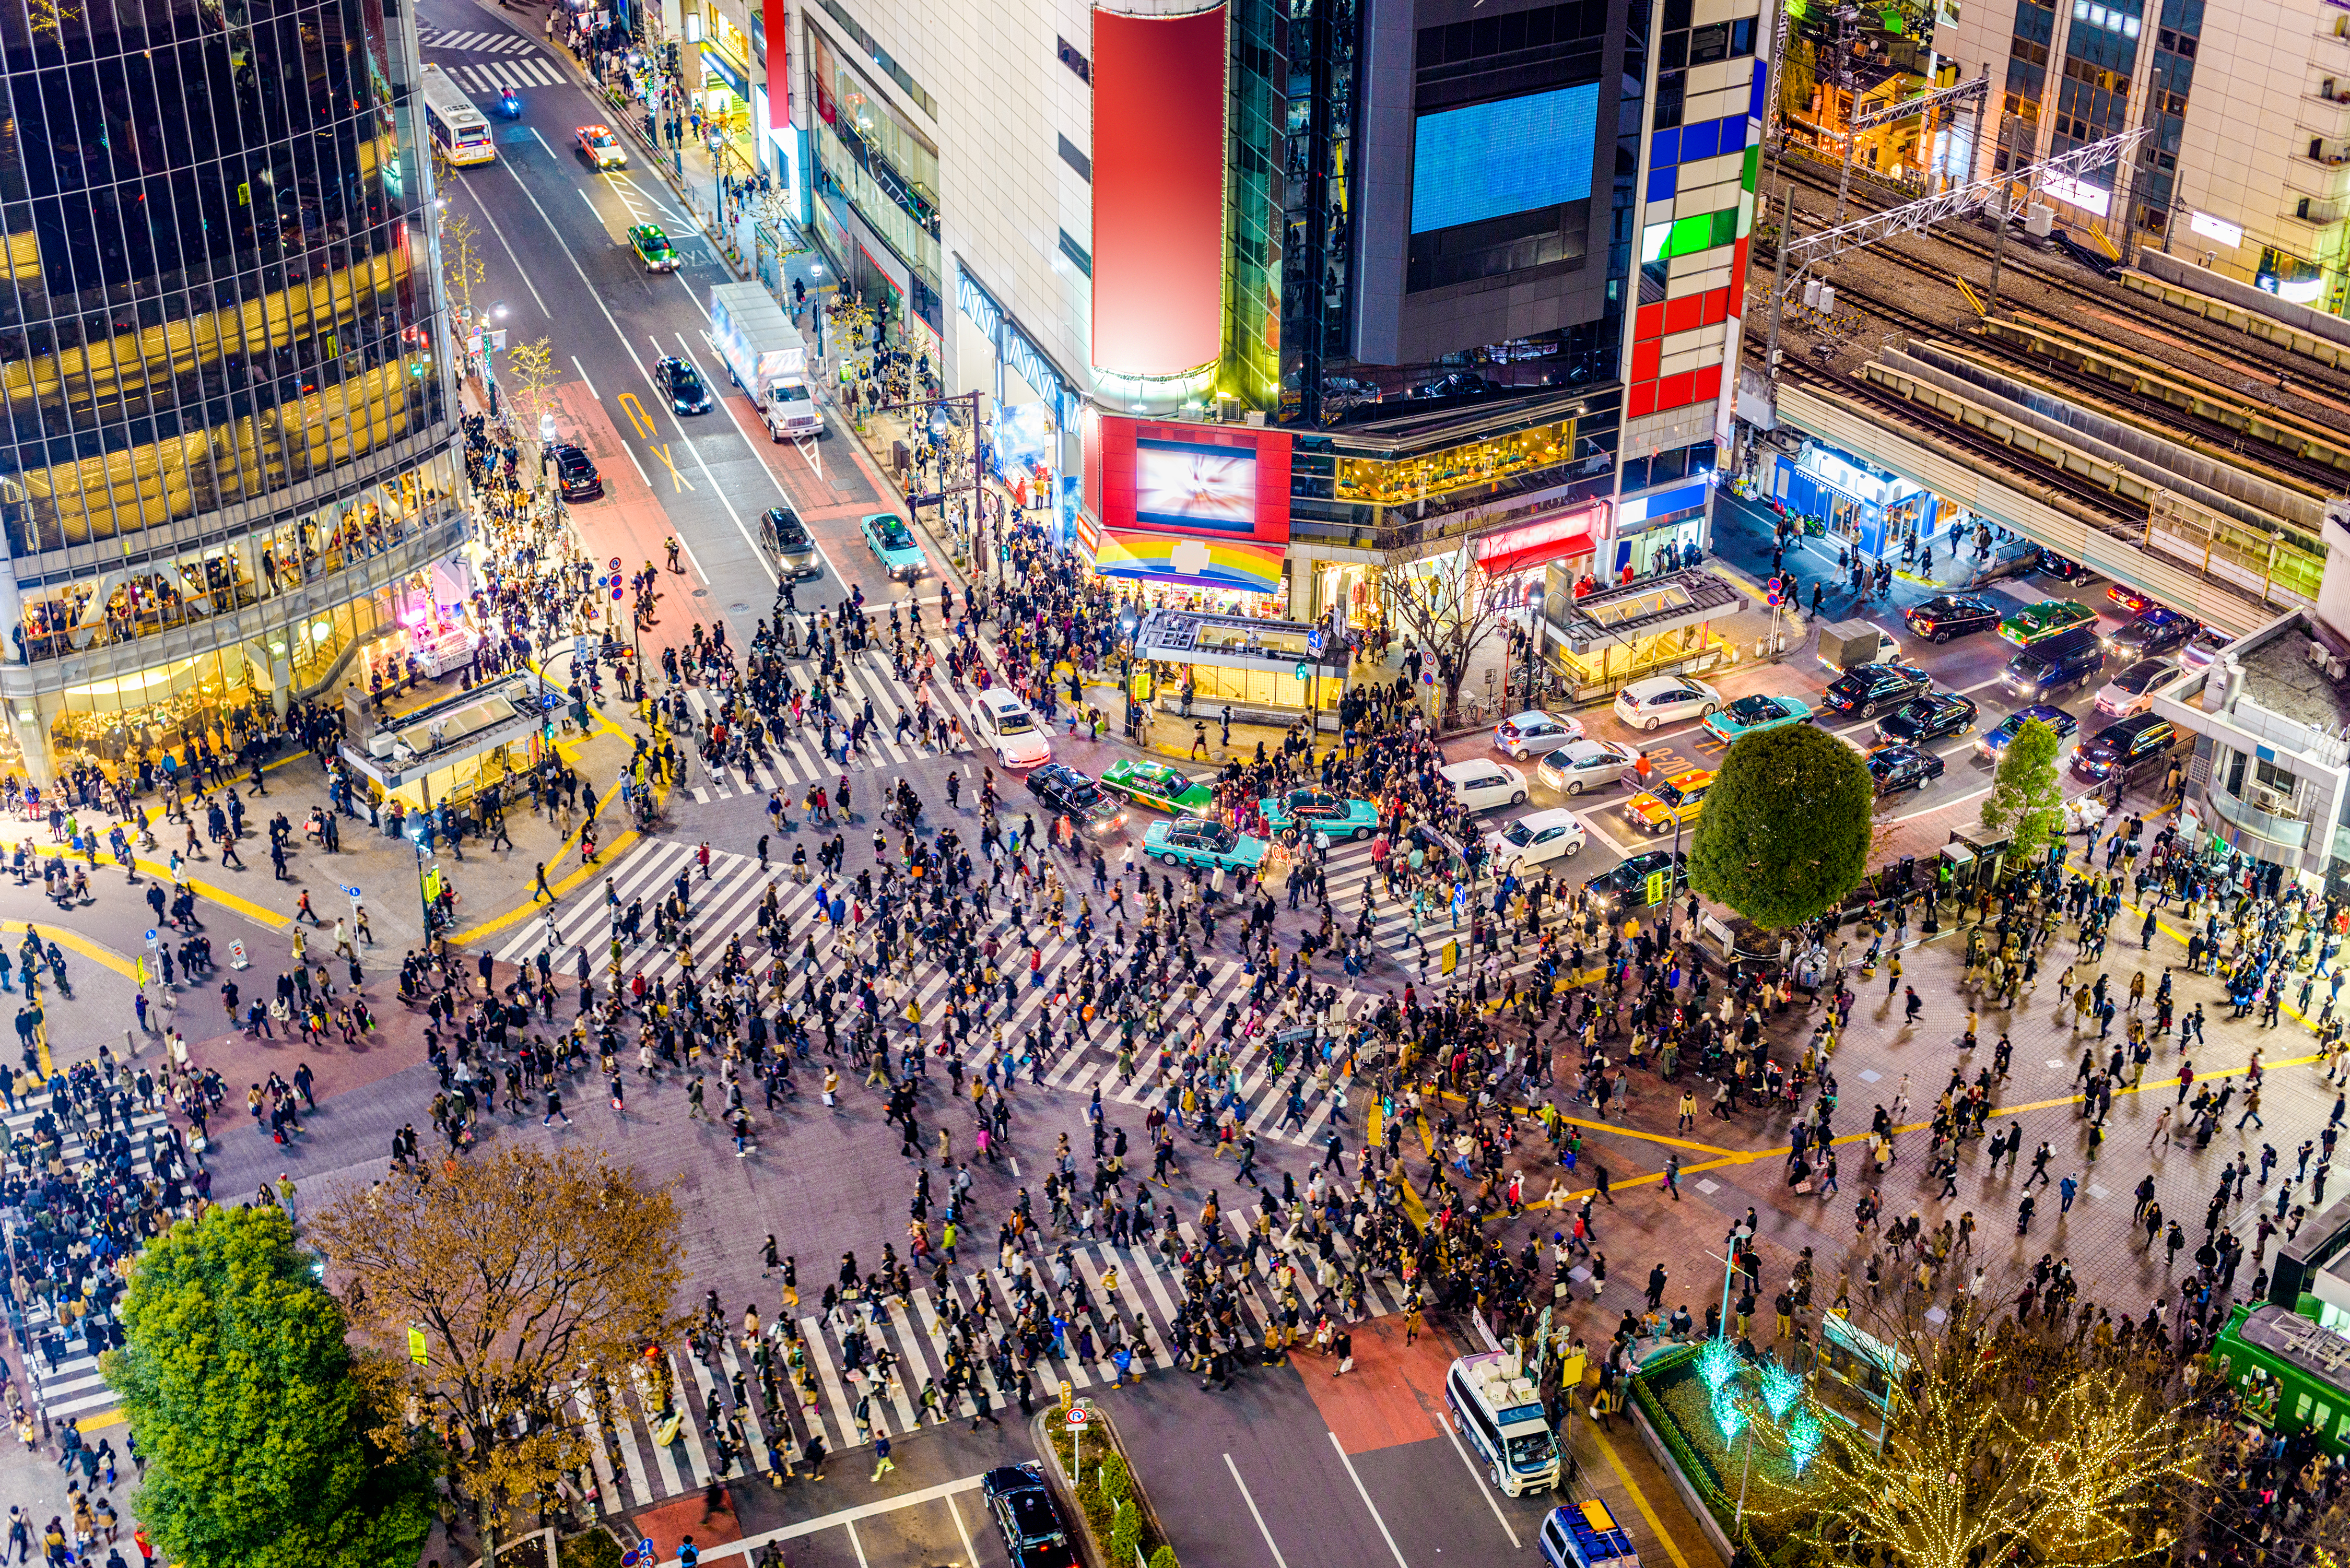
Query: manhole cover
x,y
701,593
740,608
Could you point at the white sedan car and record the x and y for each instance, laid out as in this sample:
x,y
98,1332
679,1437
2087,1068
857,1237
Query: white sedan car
x,y
1533,732
1535,839
1662,699
1481,785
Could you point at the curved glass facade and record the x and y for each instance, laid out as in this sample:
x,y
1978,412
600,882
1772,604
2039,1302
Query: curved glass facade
x,y
225,414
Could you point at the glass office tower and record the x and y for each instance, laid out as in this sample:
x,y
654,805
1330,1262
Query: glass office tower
x,y
228,462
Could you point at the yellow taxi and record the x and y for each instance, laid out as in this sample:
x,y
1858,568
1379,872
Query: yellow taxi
x,y
1676,800
602,147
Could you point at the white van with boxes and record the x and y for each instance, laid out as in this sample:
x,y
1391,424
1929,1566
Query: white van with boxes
x,y
1496,1409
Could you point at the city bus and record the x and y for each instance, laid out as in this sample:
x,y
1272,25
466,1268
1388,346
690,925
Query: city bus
x,y
457,127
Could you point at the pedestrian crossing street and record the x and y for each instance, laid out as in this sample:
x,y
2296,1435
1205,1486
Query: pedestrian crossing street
x,y
795,755
1276,1106
71,1385
475,43
494,77
727,905
633,1469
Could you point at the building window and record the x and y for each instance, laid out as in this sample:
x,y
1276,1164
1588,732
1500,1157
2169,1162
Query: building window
x,y
1077,254
1076,61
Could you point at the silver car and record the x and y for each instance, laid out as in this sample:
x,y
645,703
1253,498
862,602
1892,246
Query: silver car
x,y
1585,764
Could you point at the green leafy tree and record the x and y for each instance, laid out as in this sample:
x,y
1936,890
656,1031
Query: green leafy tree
x,y
1787,827
253,1411
2026,803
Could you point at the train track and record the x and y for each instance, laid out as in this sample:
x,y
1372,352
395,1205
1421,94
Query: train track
x,y
2319,477
2248,356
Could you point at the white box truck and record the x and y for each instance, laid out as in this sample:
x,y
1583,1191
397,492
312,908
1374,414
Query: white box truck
x,y
764,353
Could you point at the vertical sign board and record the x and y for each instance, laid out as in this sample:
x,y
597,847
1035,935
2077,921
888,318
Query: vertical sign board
x,y
1159,191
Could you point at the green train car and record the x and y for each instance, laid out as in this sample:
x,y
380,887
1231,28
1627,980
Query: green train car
x,y
2291,1373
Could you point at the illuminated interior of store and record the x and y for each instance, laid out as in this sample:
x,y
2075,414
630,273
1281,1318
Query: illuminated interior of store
x,y
1469,466
158,594
1212,684
1145,594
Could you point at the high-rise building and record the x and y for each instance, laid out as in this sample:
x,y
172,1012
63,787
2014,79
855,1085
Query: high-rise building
x,y
2246,168
227,464
1445,272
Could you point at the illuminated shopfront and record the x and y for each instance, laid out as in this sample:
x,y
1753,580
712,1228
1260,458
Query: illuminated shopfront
x,y
151,595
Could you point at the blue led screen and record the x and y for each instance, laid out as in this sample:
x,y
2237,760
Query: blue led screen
x,y
1512,155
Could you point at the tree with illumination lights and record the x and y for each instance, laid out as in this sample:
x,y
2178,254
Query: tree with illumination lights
x,y
2003,1438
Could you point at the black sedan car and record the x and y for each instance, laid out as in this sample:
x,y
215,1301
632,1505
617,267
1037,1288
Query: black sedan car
x,y
2156,630
680,383
1626,885
1028,1517
575,472
2064,569
1945,615
1903,767
1070,794
1928,718
1868,690
2133,748
786,539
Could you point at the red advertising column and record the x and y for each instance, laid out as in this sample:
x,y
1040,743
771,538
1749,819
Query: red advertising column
x,y
1159,191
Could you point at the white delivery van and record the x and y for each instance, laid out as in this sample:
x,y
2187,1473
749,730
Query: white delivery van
x,y
1498,1413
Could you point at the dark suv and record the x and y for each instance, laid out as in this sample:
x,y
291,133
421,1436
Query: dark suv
x,y
781,531
1869,688
1071,795
2135,748
1036,1535
576,471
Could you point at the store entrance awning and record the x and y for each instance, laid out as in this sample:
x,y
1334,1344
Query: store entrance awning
x,y
1559,538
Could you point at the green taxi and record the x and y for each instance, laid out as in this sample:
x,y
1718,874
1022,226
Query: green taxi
x,y
653,247
1159,785
2045,620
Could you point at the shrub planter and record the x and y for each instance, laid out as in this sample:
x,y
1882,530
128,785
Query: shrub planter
x,y
1107,1504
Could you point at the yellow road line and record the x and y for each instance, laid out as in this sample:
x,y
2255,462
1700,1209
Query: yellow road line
x,y
64,938
1639,1498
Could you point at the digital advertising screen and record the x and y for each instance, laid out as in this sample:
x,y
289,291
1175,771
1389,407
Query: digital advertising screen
x,y
1188,485
1512,155
1177,479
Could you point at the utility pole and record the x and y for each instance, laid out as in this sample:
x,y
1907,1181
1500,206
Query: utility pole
x,y
1850,88
1999,211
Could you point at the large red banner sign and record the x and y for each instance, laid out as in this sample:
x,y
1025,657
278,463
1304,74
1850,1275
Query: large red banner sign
x,y
1159,191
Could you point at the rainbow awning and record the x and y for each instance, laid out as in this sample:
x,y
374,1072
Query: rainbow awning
x,y
1195,563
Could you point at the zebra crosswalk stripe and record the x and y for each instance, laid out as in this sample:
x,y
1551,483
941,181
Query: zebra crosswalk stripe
x,y
914,1333
792,755
475,43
